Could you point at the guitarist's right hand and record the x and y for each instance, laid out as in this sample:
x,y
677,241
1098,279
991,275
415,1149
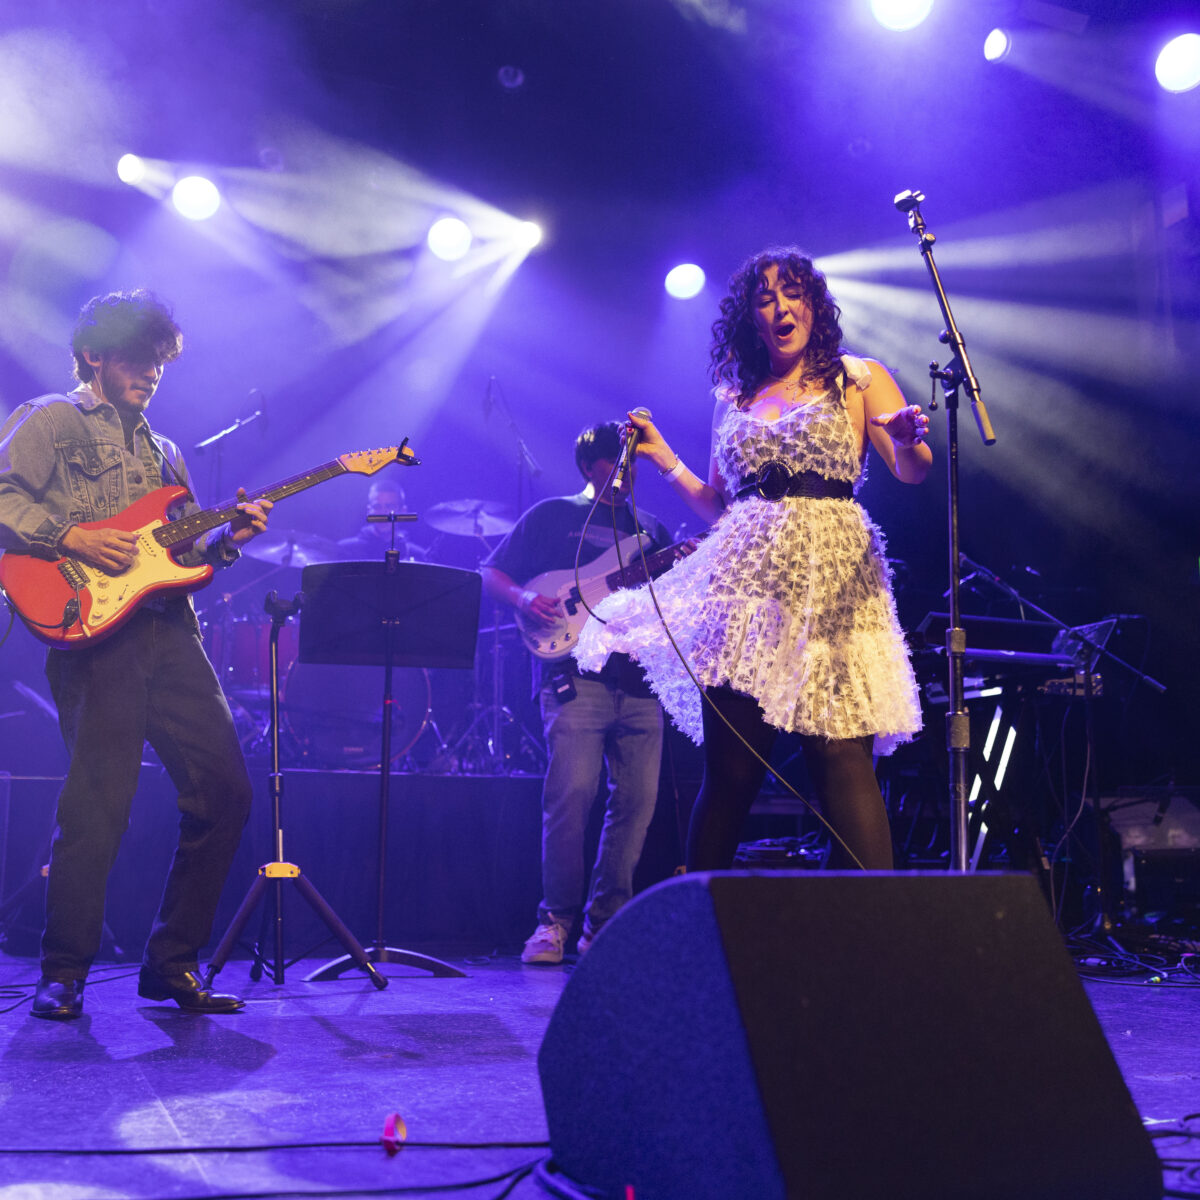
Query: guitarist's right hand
x,y
112,550
543,610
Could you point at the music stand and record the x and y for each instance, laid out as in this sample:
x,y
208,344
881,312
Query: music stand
x,y
389,614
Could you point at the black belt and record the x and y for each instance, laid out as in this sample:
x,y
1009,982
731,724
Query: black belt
x,y
774,480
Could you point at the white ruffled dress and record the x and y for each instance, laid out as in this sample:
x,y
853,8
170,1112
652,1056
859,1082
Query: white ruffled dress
x,y
788,601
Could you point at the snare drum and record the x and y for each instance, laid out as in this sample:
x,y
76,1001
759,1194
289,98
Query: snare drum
x,y
334,713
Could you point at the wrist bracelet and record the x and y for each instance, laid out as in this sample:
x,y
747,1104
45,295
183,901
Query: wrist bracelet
x,y
674,472
527,598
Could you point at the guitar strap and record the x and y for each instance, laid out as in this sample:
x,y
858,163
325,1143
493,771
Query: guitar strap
x,y
164,461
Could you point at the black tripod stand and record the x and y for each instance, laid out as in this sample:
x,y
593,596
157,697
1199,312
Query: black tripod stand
x,y
278,871
389,614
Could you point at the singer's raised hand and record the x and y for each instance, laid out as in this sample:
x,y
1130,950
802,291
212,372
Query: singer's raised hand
x,y
651,444
907,427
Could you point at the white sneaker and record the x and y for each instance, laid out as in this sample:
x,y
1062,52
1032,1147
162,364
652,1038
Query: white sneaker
x,y
586,938
546,944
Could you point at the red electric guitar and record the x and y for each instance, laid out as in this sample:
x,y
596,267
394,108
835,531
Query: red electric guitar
x,y
66,602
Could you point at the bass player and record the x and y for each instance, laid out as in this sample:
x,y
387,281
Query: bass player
x,y
589,719
68,462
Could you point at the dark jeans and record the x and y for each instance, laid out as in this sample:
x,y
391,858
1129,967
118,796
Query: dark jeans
x,y
150,681
601,725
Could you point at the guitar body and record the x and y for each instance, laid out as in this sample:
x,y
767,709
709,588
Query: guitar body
x,y
599,578
46,592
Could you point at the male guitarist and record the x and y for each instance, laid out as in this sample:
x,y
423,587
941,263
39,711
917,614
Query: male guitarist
x,y
588,719
67,461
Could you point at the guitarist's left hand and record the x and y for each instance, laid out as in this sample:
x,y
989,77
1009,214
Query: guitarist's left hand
x,y
251,519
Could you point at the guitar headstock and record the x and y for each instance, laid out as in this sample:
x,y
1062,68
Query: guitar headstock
x,y
367,462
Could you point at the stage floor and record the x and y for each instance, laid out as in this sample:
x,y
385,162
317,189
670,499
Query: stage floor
x,y
327,1062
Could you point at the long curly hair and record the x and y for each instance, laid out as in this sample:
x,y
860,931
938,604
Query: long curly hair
x,y
738,357
134,326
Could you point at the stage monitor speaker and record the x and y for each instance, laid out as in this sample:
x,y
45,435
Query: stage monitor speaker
x,y
834,1036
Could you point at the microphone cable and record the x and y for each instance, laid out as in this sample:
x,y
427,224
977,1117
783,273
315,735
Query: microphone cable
x,y
687,666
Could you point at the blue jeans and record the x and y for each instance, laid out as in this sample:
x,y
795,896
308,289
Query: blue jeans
x,y
600,725
150,681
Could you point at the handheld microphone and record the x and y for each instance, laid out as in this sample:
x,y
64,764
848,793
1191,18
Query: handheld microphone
x,y
628,448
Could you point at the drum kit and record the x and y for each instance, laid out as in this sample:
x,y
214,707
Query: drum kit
x,y
330,714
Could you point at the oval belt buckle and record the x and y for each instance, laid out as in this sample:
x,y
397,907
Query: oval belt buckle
x,y
773,480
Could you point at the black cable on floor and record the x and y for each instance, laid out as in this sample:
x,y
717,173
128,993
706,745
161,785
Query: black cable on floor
x,y
510,1178
562,1187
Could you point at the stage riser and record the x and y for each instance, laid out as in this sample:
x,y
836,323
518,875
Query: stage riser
x,y
463,855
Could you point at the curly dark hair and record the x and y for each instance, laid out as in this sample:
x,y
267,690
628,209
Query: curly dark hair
x,y
739,358
134,327
597,442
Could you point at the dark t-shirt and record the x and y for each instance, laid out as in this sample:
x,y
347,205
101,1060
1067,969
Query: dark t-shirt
x,y
546,538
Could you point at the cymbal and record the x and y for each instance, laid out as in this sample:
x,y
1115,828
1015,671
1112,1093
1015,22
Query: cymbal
x,y
287,548
471,518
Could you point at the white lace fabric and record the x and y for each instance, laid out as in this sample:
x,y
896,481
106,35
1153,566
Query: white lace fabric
x,y
788,601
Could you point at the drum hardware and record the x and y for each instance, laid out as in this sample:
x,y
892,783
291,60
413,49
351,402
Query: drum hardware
x,y
481,750
396,615
279,871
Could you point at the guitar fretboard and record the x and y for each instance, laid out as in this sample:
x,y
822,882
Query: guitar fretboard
x,y
635,571
189,528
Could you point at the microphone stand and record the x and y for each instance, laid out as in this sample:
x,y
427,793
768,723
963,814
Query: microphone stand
x,y
527,465
956,373
218,438
220,435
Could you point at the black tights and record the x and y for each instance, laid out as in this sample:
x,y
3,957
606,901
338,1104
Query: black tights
x,y
842,774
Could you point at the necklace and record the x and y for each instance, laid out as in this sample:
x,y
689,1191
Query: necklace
x,y
792,388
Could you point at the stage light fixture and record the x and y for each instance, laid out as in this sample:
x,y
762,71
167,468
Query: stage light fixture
x,y
996,45
449,239
1177,68
684,281
900,15
131,169
195,197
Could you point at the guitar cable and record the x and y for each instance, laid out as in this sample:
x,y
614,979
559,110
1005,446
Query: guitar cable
x,y
687,666
69,617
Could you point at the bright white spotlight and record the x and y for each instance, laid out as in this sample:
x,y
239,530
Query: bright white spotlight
x,y
449,239
996,45
529,234
1178,65
684,281
900,14
195,197
130,169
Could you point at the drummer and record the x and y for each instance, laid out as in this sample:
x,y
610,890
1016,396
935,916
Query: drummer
x,y
374,538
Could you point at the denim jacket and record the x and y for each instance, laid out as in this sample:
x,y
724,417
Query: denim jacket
x,y
63,460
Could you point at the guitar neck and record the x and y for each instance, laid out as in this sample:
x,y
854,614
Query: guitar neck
x,y
195,525
636,572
